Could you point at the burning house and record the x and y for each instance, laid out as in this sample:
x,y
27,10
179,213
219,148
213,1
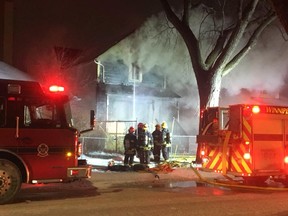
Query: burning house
x,y
128,93
126,96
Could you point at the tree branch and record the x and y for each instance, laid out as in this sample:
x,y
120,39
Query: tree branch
x,y
185,18
250,44
218,47
188,37
236,36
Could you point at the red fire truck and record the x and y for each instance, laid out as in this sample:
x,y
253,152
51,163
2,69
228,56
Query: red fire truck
x,y
38,141
245,140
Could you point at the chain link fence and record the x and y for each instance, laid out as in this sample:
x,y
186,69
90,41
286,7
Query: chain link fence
x,y
109,137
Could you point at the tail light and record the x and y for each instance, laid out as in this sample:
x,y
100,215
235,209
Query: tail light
x,y
286,160
247,156
202,152
74,172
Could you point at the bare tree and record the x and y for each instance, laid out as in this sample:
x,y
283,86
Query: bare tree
x,y
234,34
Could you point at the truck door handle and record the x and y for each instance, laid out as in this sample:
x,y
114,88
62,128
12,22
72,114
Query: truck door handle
x,y
17,127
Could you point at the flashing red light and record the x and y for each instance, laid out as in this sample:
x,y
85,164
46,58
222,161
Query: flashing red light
x,y
247,143
55,88
256,109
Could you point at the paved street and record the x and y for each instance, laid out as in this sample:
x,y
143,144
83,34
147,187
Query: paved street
x,y
140,193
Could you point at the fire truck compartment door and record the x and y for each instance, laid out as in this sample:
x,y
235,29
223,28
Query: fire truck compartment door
x,y
44,151
268,143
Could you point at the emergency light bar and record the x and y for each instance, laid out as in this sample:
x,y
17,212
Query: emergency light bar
x,y
55,88
256,109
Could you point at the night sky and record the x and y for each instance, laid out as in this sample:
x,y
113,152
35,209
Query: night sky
x,y
91,26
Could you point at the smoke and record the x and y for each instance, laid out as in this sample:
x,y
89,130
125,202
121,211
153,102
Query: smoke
x,y
9,72
155,45
261,77
263,70
152,46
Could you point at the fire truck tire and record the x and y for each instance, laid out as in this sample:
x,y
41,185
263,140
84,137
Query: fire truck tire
x,y
10,181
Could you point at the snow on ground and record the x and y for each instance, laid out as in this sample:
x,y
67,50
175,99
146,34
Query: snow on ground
x,y
101,160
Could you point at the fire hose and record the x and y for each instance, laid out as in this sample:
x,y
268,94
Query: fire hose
x,y
233,184
229,182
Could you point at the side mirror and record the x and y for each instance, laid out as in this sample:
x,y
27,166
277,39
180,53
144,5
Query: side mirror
x,y
92,122
92,119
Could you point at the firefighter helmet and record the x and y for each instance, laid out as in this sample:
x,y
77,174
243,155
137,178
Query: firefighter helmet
x,y
164,124
145,126
157,126
131,129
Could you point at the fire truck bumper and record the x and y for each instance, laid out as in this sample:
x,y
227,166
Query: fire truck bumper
x,y
79,172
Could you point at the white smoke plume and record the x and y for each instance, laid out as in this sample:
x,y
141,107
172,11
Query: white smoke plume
x,y
262,70
151,46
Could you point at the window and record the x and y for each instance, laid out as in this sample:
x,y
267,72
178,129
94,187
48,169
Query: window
x,y
41,116
135,74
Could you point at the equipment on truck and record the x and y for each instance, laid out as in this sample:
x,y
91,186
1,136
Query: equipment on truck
x,y
38,141
245,140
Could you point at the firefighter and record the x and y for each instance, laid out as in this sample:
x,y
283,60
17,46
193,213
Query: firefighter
x,y
139,130
144,143
166,141
157,143
130,142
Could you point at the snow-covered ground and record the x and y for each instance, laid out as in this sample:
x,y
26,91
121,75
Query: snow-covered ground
x,y
101,160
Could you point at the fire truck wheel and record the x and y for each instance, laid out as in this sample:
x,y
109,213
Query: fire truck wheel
x,y
10,181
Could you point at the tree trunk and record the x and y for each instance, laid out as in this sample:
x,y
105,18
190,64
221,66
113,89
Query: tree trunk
x,y
214,97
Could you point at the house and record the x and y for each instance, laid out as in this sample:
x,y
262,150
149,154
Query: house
x,y
129,95
126,95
